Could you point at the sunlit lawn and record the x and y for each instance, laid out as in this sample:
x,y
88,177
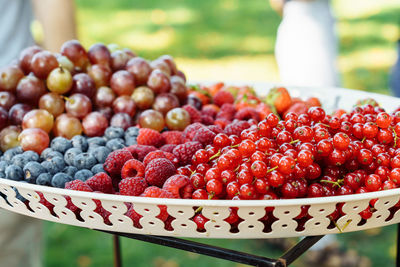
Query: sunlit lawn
x,y
225,40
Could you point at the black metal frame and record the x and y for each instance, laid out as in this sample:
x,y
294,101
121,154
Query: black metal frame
x,y
227,254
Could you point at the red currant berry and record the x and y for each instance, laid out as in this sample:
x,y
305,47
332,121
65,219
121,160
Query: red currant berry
x,y
286,165
373,182
341,141
383,120
214,187
248,191
200,194
259,168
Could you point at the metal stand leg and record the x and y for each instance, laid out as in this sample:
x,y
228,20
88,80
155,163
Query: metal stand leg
x,y
117,251
297,250
398,246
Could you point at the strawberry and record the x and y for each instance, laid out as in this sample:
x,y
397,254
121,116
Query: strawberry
x,y
280,99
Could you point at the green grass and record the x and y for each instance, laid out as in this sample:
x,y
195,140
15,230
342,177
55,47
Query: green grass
x,y
219,31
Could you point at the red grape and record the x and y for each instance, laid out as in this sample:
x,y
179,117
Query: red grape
x,y
122,82
9,137
94,124
100,74
43,63
75,52
83,84
17,113
104,97
67,126
140,69
99,54
124,104
53,103
25,57
7,100
158,82
30,89
78,105
121,120
38,118
34,139
9,78
59,80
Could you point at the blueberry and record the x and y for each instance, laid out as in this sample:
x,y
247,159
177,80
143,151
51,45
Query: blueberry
x,y
54,165
14,172
130,141
53,154
58,162
79,141
70,154
50,168
31,155
19,160
84,161
60,144
3,165
32,170
132,132
114,132
100,153
96,141
97,168
45,152
10,153
83,175
18,195
44,179
115,144
70,170
60,179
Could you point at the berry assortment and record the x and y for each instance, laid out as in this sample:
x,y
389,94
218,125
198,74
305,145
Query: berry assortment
x,y
106,120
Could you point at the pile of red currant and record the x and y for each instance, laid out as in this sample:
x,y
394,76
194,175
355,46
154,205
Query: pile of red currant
x,y
302,156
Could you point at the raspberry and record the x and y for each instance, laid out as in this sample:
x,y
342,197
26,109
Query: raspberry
x,y
236,128
205,136
132,186
100,182
207,120
115,161
159,170
150,137
160,154
103,212
173,137
227,112
139,152
247,113
195,115
191,130
44,201
179,186
172,158
216,129
78,185
209,111
135,217
153,155
156,192
168,148
185,152
222,123
132,168
222,97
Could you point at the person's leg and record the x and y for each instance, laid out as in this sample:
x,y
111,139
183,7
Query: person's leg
x,y
20,240
306,46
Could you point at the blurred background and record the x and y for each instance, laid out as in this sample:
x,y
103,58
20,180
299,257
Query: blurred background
x,y
226,40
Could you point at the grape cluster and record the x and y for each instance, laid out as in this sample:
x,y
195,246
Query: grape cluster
x,y
74,92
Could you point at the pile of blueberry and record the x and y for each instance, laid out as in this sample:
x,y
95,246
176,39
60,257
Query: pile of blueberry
x,y
65,160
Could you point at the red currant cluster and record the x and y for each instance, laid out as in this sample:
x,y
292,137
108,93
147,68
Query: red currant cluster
x,y
307,155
